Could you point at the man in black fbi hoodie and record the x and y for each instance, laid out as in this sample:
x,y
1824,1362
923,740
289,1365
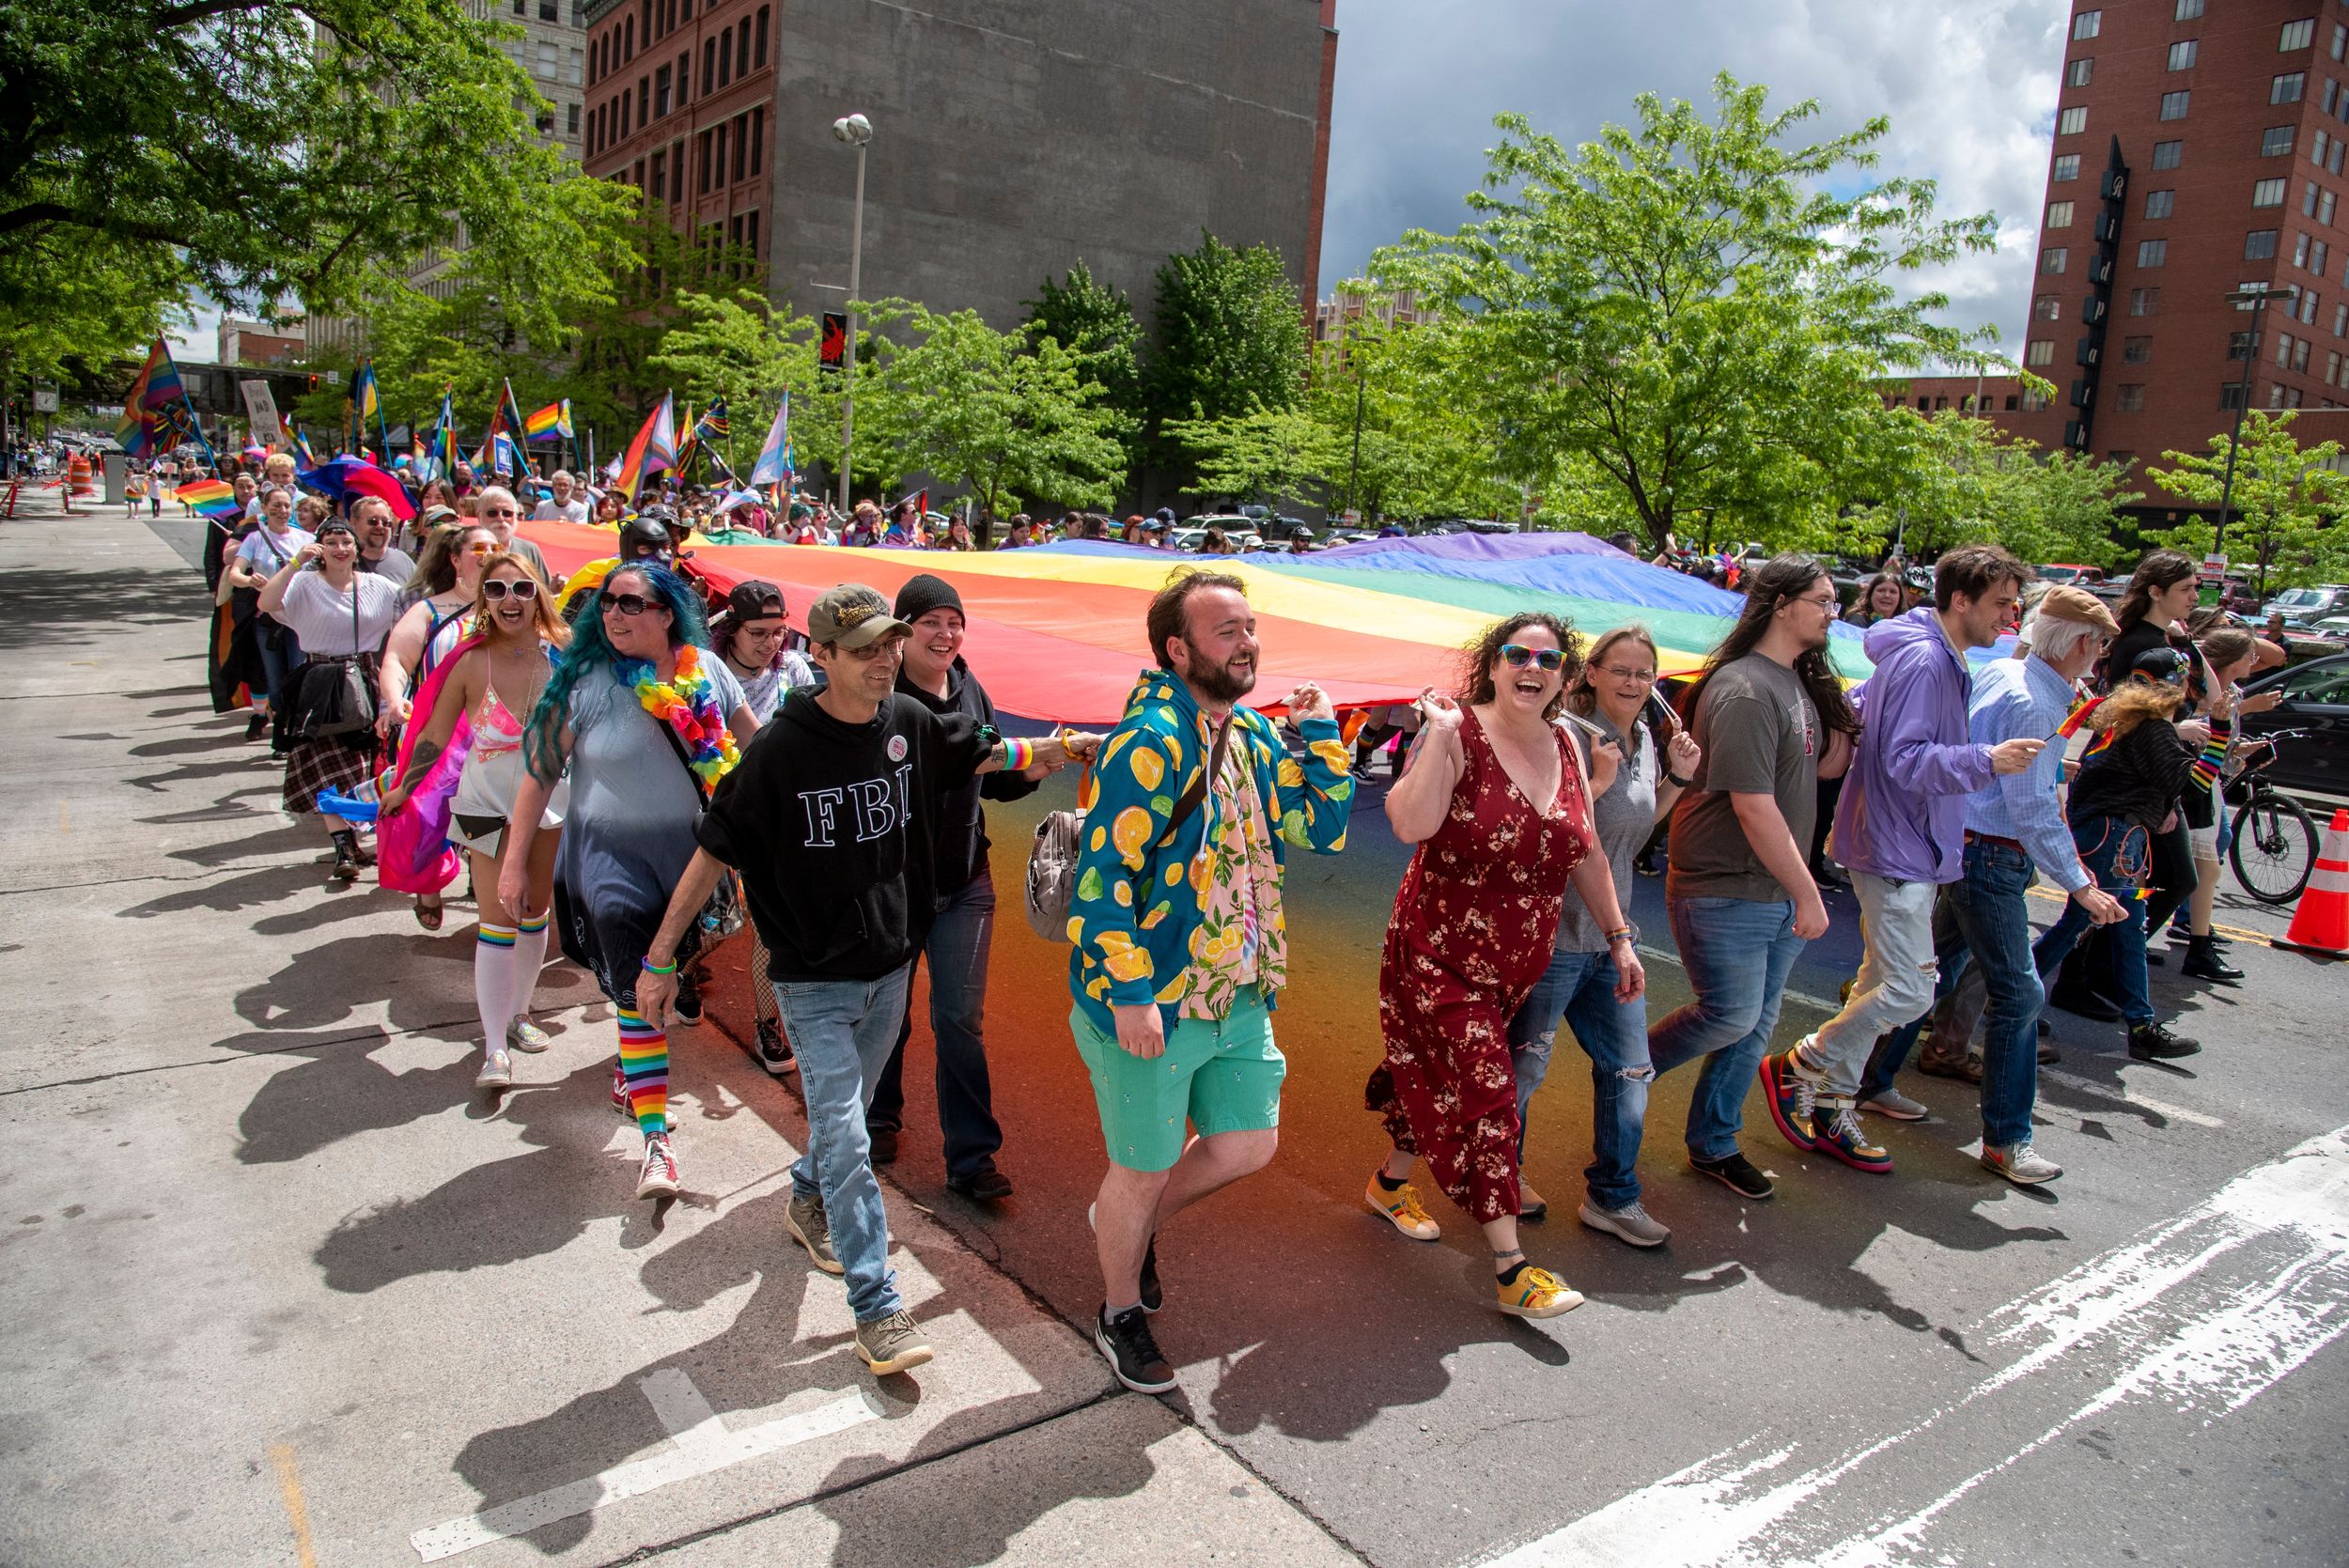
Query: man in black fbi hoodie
x,y
828,819
935,674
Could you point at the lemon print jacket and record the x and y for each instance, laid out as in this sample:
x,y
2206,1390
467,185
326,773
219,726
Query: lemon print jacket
x,y
1138,905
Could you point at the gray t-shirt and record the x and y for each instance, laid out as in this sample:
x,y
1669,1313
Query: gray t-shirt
x,y
1761,735
1623,817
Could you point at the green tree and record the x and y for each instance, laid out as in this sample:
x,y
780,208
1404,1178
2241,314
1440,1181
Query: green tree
x,y
1690,306
1231,338
1263,454
1095,323
742,346
1007,417
268,153
2283,509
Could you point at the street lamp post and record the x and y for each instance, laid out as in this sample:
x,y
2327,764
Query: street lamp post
x,y
2253,298
856,132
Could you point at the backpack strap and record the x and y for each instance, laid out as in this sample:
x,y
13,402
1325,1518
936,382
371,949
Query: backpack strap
x,y
1193,796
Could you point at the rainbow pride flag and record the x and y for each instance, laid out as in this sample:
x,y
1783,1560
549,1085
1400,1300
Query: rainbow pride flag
x,y
211,498
552,423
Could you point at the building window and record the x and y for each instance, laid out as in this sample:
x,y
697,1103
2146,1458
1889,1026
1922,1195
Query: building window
x,y
2087,25
660,92
718,158
2144,302
547,11
741,151
2230,397
2066,167
2299,250
2333,369
2301,353
709,66
661,175
2041,352
2282,397
2137,350
2267,193
750,233
2318,253
2283,348
2076,73
2159,203
546,62
2051,259
2152,253
2166,155
2308,304
2072,122
2259,245
2308,199
2341,321
2189,10
2324,206
570,119
2341,39
2173,106
571,71
2132,399
2058,214
742,50
759,136
2181,54
725,56
643,100
758,51
2297,34
2048,307
2287,87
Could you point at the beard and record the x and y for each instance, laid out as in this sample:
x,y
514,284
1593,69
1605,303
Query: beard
x,y
1220,683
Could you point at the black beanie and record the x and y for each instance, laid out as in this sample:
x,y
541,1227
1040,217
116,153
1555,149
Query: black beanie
x,y
922,593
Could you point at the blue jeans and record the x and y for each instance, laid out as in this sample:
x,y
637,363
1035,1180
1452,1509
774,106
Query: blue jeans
x,y
279,661
957,947
841,1032
2119,856
1983,919
1738,954
1613,1035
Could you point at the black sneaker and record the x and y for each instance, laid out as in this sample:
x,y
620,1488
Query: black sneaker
x,y
2153,1042
1132,1351
1736,1173
2202,962
686,1006
988,1186
772,1050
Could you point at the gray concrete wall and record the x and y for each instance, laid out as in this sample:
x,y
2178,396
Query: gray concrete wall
x,y
1015,137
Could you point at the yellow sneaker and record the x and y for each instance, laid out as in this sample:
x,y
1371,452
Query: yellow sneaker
x,y
1400,1207
1537,1292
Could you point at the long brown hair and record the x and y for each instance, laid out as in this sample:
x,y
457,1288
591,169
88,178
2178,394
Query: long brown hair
x,y
1476,672
2159,572
1582,698
1772,584
2133,702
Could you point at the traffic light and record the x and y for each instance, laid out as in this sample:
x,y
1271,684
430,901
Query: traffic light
x,y
834,351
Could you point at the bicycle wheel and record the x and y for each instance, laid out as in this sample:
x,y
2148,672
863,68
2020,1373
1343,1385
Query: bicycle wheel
x,y
2275,848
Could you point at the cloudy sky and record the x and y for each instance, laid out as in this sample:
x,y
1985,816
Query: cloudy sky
x,y
1969,86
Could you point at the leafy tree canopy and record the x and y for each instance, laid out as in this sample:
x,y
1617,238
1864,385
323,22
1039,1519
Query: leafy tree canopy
x,y
2283,513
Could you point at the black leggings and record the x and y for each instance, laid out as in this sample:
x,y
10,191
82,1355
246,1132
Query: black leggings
x,y
2173,878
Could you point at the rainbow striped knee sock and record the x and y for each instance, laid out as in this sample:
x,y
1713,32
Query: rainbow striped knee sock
x,y
644,1067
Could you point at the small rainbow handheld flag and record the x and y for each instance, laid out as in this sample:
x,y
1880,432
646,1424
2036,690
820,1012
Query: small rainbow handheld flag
x,y
552,423
211,498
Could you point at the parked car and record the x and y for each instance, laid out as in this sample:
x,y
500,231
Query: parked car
x,y
2316,699
2306,606
2071,573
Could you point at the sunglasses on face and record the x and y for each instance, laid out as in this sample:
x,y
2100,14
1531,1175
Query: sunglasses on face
x,y
1544,660
480,549
520,587
627,604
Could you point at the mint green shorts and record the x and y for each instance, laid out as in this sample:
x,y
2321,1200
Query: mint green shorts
x,y
1218,1077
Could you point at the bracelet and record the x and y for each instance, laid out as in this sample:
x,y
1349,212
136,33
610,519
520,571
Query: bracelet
x,y
1018,755
1621,934
651,968
1677,782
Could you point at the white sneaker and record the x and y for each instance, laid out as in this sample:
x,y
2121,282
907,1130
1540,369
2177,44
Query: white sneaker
x,y
522,1035
497,1070
1631,1223
1898,1106
660,1175
2020,1164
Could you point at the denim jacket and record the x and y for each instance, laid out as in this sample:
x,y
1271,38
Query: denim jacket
x,y
1137,904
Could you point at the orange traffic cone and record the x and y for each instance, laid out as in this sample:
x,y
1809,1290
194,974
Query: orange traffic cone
x,y
2321,923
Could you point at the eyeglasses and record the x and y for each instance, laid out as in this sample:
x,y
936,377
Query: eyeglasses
x,y
479,550
1645,677
520,587
1546,659
1827,602
627,604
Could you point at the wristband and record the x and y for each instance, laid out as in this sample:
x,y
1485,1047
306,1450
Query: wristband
x,y
651,968
1621,934
1677,782
1018,755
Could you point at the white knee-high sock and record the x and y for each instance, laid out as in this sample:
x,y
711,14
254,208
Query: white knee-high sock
x,y
493,982
530,952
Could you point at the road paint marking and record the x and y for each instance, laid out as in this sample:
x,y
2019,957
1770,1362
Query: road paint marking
x,y
1658,954
2053,895
2212,1360
700,1444
2133,1097
297,1514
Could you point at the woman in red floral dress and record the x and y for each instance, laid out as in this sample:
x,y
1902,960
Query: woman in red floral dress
x,y
1471,933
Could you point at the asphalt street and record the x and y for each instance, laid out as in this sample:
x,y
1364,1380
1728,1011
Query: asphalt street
x,y
283,1288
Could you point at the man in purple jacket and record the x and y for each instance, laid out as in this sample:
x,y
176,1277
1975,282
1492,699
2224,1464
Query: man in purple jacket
x,y
1900,831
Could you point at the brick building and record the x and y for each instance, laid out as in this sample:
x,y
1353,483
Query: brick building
x,y
1011,139
242,342
2199,148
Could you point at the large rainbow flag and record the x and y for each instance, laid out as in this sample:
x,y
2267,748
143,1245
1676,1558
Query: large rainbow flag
x,y
1061,626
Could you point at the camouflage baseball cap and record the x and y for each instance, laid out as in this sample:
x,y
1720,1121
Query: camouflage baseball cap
x,y
852,616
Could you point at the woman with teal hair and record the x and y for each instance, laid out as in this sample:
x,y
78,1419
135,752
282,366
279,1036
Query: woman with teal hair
x,y
645,720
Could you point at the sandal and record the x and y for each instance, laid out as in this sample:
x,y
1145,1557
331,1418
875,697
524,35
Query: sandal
x,y
428,915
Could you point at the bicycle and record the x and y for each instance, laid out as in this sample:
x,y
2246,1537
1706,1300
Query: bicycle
x,y
2275,840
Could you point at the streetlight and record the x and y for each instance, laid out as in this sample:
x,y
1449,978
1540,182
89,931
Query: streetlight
x,y
856,132
2252,297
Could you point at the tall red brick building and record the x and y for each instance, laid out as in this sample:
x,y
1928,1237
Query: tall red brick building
x,y
2198,148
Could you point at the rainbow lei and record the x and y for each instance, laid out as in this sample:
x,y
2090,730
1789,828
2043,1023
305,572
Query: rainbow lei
x,y
688,704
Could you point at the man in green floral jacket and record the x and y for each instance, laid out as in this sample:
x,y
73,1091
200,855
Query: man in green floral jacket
x,y
1180,943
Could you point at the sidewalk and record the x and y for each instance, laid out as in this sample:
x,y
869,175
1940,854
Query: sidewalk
x,y
284,1288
